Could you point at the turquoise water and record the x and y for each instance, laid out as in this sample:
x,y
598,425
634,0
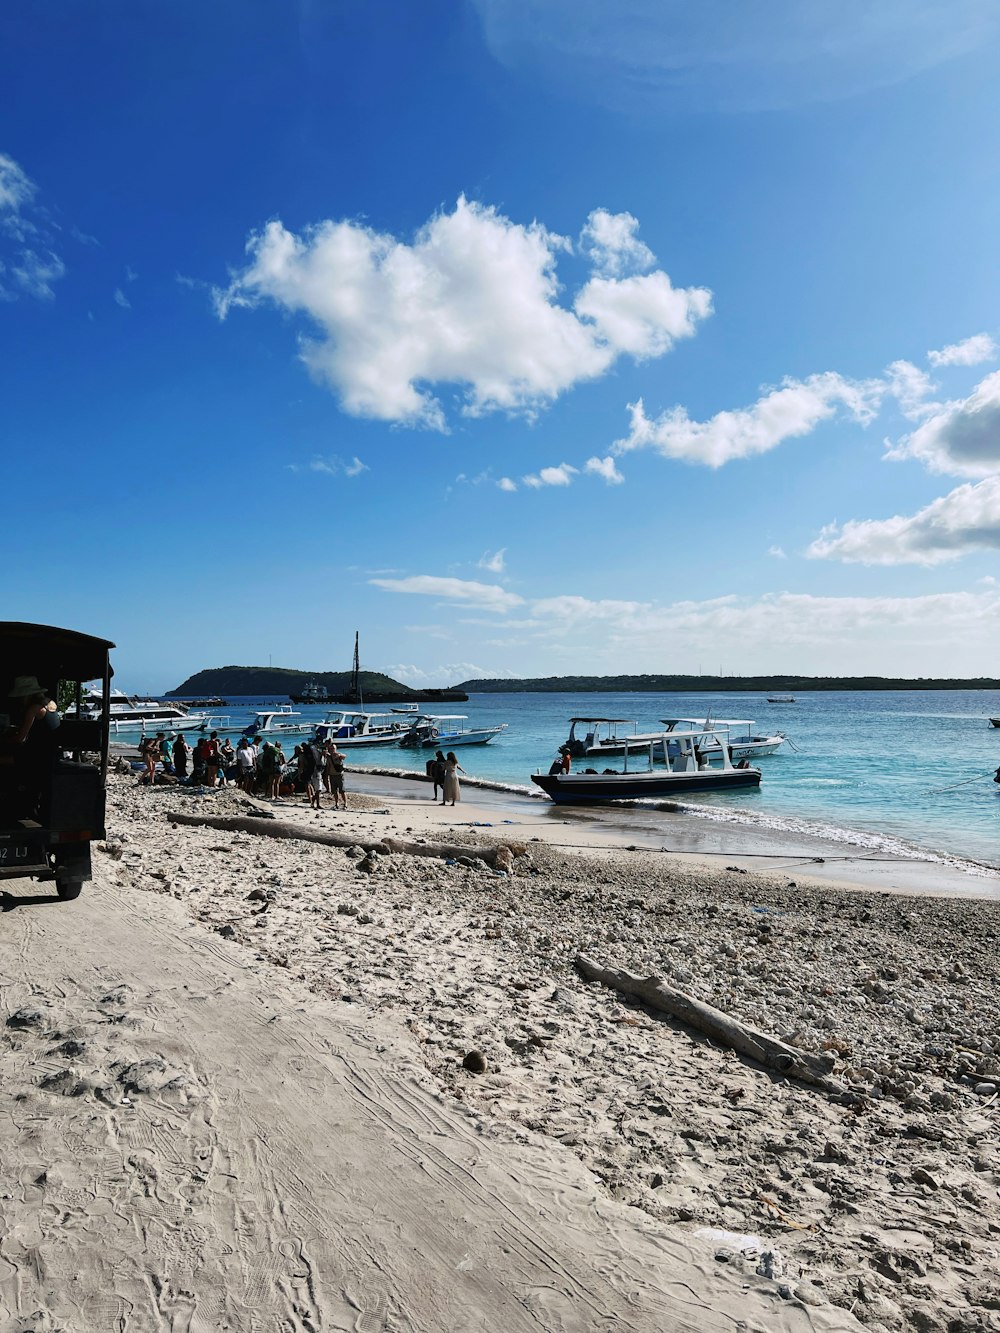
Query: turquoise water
x,y
885,765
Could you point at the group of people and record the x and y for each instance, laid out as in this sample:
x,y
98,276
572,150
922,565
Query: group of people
x,y
256,766
443,771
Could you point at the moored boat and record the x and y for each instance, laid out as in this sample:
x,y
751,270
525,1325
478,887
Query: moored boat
x,y
354,728
437,731
683,768
995,721
742,742
126,714
606,736
278,722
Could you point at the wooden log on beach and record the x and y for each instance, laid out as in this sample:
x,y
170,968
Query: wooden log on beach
x,y
711,1022
276,828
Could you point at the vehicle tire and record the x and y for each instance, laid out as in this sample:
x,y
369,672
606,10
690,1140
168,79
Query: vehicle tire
x,y
68,889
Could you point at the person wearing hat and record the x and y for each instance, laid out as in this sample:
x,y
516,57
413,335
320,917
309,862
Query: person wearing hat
x,y
35,704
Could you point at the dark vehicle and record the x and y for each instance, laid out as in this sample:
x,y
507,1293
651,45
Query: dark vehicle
x,y
52,768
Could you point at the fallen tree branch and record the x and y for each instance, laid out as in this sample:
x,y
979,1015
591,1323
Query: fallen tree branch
x,y
276,828
705,1018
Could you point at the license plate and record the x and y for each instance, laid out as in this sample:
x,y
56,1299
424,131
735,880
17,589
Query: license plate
x,y
19,854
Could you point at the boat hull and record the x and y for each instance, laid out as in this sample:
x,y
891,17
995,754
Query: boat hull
x,y
582,788
446,742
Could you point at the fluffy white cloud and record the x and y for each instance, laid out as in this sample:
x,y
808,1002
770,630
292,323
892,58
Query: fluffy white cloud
x,y
493,561
778,552
969,352
967,519
562,475
471,302
911,387
961,437
795,409
507,484
606,468
468,591
611,243
28,264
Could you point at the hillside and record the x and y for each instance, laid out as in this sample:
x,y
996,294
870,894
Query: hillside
x,y
715,684
262,682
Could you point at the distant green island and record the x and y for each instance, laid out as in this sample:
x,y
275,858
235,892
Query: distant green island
x,y
716,684
373,686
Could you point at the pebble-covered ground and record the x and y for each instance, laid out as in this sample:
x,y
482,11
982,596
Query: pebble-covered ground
x,y
884,1201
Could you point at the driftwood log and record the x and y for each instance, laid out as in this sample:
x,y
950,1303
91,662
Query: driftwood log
x,y
276,828
705,1018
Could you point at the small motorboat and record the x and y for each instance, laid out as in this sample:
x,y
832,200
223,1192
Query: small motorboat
x,y
354,729
682,767
995,721
443,731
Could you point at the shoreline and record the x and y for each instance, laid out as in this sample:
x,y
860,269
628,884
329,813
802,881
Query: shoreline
x,y
700,837
708,834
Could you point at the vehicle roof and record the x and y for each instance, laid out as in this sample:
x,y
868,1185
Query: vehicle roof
x,y
52,653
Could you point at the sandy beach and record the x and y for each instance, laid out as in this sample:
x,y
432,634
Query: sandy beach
x,y
241,1096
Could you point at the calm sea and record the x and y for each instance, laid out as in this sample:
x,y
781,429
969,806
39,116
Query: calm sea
x,y
914,766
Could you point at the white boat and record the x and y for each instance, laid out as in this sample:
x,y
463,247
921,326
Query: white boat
x,y
127,714
742,743
443,731
278,722
354,728
676,765
606,736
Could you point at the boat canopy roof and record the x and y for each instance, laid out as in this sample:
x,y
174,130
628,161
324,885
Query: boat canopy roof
x,y
625,721
446,717
714,722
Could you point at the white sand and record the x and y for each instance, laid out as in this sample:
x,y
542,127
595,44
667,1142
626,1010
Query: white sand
x,y
302,1148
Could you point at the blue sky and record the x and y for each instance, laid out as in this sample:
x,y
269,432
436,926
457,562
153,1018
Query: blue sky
x,y
528,338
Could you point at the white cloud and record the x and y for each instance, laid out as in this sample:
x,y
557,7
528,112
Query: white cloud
x,y
970,352
471,303
651,56
777,552
122,300
130,273
606,468
782,631
961,437
331,465
562,475
507,484
448,674
16,189
911,387
793,410
610,241
486,595
967,519
493,561
34,274
28,264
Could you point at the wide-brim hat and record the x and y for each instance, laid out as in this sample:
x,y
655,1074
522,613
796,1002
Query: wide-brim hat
x,y
25,686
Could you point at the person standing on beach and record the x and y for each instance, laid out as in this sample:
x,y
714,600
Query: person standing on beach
x,y
435,771
333,774
452,791
181,751
314,782
150,749
245,765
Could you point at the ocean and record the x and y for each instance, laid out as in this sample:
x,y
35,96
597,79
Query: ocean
x,y
890,770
